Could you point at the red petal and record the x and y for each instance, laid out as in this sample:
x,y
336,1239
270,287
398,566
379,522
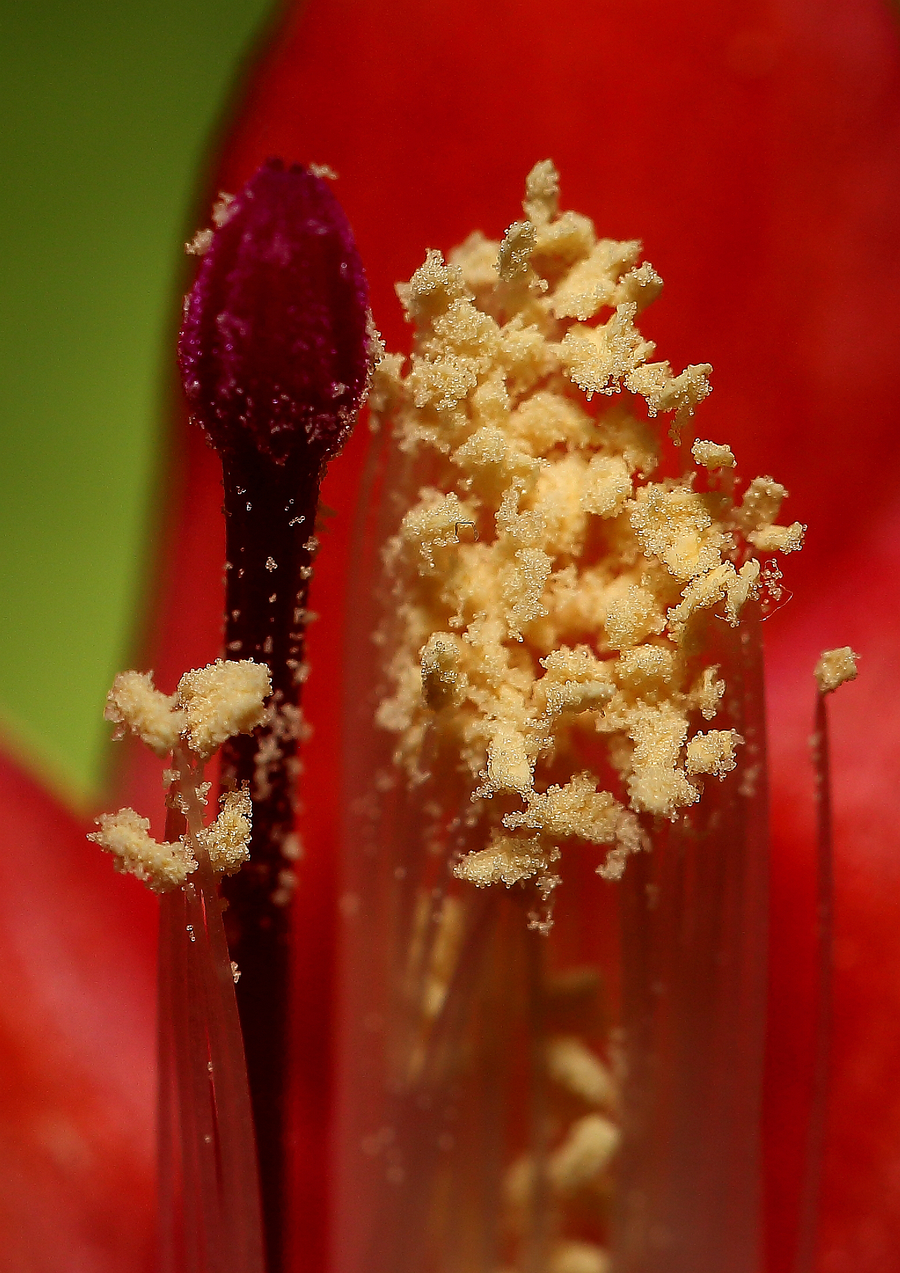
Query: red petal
x,y
77,1039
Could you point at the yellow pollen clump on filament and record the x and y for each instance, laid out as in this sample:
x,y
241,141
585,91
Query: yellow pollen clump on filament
x,y
221,700
210,705
713,455
547,590
227,838
134,704
835,668
126,835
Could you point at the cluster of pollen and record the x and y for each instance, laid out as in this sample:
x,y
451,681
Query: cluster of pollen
x,y
549,593
210,705
835,668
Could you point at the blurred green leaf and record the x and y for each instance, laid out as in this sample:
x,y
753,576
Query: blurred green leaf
x,y
107,111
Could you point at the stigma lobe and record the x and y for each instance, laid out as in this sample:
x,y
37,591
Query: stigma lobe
x,y
275,347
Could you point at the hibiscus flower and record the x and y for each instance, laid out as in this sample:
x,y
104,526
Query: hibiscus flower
x,y
754,150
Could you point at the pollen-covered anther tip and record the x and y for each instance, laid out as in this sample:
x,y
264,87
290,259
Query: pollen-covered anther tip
x,y
713,752
221,700
126,835
513,260
541,202
277,344
508,860
134,704
227,839
712,455
835,668
164,866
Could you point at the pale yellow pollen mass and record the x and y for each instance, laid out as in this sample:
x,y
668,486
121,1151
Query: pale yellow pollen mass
x,y
221,700
713,455
633,614
509,860
678,526
227,839
707,693
739,587
778,539
713,752
541,202
508,764
549,590
835,668
606,485
126,835
135,704
514,258
211,704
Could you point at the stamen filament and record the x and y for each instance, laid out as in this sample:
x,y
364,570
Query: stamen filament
x,y
694,933
818,1109
206,1126
209,1207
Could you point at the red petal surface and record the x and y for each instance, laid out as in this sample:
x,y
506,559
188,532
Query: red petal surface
x,y
77,1042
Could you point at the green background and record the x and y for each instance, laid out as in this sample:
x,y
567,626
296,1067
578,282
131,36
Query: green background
x,y
107,113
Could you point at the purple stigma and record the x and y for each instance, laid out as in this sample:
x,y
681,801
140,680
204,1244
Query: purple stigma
x,y
275,347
